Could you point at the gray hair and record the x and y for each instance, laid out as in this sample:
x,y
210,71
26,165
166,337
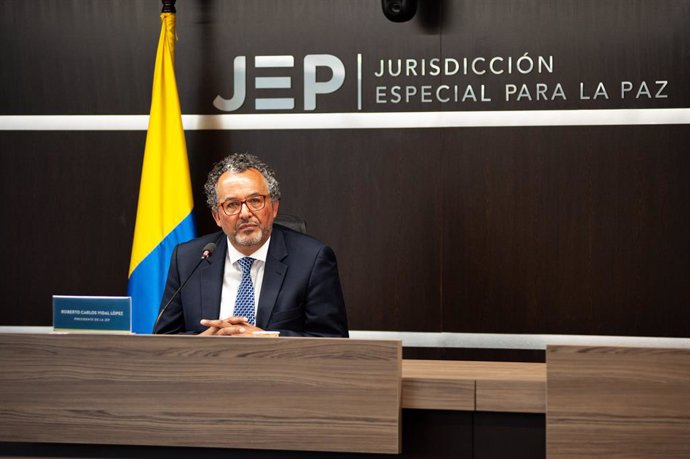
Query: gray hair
x,y
238,163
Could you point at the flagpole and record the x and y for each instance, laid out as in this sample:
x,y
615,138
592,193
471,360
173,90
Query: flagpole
x,y
168,6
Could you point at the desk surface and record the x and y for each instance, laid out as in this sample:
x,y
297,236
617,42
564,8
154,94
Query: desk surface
x,y
474,386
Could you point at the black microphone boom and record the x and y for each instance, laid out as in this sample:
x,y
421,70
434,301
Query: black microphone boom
x,y
205,255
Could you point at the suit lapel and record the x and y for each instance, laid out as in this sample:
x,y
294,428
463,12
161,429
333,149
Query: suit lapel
x,y
274,274
212,280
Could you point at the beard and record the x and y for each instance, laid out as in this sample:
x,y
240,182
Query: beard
x,y
257,237
248,240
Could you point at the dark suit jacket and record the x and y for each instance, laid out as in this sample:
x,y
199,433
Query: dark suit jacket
x,y
300,295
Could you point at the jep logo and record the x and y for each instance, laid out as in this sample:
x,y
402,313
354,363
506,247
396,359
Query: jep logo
x,y
312,87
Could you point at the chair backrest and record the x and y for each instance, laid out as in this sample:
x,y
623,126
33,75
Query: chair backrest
x,y
292,221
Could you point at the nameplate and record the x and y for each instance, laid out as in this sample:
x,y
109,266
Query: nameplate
x,y
112,314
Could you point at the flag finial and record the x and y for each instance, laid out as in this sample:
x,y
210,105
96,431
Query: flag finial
x,y
168,6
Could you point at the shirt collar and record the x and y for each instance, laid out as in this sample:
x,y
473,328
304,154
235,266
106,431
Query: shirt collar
x,y
260,254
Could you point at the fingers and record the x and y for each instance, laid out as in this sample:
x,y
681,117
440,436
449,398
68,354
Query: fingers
x,y
220,323
232,330
209,331
237,320
231,326
228,327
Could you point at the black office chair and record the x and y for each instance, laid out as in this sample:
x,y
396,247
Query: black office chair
x,y
292,221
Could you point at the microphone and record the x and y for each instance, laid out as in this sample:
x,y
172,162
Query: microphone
x,y
205,255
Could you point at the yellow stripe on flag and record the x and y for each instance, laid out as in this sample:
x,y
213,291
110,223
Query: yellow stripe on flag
x,y
165,193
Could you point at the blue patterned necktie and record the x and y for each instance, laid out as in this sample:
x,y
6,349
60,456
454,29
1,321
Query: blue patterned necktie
x,y
244,305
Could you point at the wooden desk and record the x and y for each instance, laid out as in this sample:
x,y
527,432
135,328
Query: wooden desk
x,y
284,394
618,402
474,386
318,395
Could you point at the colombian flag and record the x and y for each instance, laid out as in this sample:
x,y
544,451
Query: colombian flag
x,y
164,212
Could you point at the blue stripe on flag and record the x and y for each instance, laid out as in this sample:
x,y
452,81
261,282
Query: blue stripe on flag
x,y
147,282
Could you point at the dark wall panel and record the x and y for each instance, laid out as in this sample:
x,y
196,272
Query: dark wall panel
x,y
591,42
69,203
588,238
77,56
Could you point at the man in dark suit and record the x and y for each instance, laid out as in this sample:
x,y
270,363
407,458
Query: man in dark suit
x,y
261,276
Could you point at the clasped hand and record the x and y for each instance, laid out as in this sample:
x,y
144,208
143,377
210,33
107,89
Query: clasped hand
x,y
232,326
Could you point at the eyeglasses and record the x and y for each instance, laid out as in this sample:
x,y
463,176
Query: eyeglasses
x,y
234,206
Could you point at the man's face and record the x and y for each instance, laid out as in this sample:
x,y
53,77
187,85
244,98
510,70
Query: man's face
x,y
248,229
